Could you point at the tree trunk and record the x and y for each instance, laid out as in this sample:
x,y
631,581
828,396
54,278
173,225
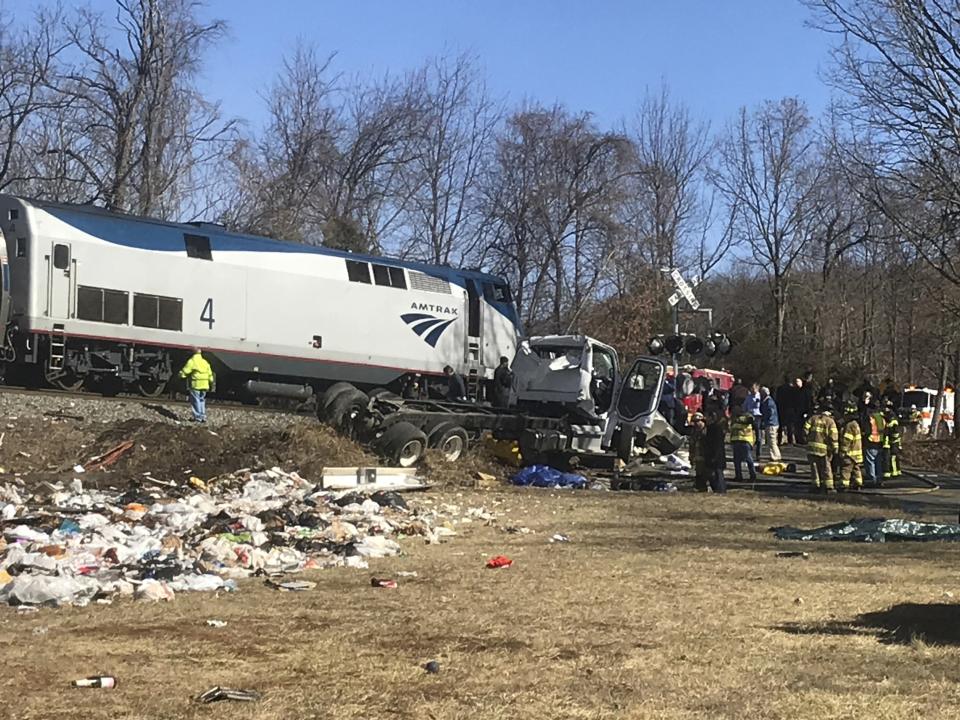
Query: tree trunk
x,y
935,422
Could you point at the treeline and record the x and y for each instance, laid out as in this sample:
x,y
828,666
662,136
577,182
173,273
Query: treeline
x,y
827,243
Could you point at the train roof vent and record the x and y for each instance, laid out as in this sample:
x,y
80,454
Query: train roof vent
x,y
428,283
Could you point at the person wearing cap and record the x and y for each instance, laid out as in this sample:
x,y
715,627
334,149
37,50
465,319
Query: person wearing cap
x,y
715,451
200,378
770,421
851,450
821,432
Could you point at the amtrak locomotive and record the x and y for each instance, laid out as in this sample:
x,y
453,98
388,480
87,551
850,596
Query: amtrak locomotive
x,y
117,302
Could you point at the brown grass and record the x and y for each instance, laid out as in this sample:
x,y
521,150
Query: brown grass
x,y
662,606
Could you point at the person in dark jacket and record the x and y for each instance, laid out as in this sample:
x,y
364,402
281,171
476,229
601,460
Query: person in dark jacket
x,y
714,451
784,400
502,383
456,388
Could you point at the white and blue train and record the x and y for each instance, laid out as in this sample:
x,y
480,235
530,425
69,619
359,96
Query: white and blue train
x,y
95,297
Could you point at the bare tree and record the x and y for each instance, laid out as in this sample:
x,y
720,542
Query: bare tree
x,y
27,60
134,127
768,172
445,216
899,64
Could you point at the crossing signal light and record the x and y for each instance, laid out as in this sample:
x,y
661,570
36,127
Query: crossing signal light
x,y
694,345
674,344
655,345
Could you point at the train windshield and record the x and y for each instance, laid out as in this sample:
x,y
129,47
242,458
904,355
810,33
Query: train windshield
x,y
497,292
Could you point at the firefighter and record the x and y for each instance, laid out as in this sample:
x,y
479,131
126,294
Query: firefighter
x,y
851,450
742,439
892,442
821,432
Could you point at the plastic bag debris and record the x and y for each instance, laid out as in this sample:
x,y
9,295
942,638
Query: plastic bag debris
x,y
383,583
154,539
499,561
559,538
432,667
873,530
546,476
217,623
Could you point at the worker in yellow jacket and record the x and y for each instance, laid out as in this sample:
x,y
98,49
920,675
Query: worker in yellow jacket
x,y
200,379
742,438
821,431
851,451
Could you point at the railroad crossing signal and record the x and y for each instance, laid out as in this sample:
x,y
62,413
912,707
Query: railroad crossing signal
x,y
683,290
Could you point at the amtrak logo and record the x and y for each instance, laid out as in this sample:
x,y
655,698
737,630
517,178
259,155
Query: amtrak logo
x,y
429,327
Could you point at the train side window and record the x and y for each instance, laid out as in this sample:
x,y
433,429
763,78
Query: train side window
x,y
397,279
389,276
61,257
171,314
146,312
358,271
116,307
198,246
21,247
90,304
13,214
496,293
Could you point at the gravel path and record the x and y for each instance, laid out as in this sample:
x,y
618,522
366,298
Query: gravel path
x,y
15,404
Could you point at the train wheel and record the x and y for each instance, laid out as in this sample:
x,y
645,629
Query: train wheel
x,y
64,380
403,443
151,388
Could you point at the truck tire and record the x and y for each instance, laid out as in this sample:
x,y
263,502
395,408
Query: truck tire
x,y
382,392
450,439
403,443
347,408
326,400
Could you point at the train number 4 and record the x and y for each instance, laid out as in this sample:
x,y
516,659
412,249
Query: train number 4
x,y
206,315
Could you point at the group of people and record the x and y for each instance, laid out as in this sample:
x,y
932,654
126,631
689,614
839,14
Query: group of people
x,y
854,438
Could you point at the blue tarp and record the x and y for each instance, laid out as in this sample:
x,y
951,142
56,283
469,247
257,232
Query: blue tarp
x,y
546,476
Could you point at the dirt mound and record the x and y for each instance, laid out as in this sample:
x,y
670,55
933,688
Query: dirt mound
x,y
170,452
463,473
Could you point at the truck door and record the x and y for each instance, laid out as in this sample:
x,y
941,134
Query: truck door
x,y
635,411
59,281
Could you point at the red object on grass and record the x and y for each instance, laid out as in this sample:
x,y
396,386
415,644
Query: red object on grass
x,y
500,561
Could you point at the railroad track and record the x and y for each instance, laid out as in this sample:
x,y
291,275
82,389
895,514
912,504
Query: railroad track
x,y
212,402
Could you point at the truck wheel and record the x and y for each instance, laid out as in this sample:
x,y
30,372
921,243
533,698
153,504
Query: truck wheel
x,y
451,440
326,400
382,392
403,443
346,410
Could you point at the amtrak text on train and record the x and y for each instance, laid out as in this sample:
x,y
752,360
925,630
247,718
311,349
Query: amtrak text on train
x,y
433,308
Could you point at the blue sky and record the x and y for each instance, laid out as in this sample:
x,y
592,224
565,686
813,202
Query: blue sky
x,y
599,56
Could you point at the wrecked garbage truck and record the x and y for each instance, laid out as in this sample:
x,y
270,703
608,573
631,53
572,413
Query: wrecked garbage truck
x,y
571,404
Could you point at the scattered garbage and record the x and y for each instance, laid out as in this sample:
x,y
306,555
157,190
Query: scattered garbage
x,y
517,530
217,623
407,574
371,478
432,667
798,601
70,544
216,694
383,583
291,585
664,486
96,681
499,561
873,530
548,477
793,554
559,538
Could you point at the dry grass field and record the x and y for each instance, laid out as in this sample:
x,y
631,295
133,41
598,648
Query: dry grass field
x,y
661,606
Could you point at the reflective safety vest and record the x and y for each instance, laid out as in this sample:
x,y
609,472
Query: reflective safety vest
x,y
877,424
741,429
821,435
891,434
851,444
199,372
